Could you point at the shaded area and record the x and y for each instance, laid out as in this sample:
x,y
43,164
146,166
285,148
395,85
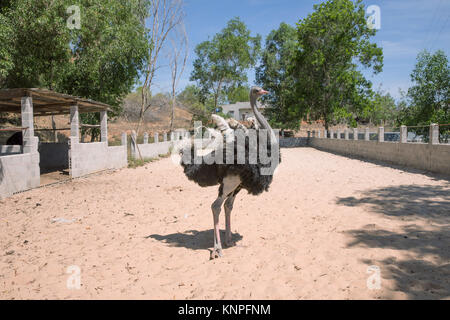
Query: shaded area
x,y
425,273
435,243
192,239
415,201
49,176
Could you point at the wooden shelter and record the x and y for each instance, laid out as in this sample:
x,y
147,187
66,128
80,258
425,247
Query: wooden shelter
x,y
20,165
47,102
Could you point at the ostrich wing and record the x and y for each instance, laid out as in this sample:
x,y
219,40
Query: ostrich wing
x,y
223,126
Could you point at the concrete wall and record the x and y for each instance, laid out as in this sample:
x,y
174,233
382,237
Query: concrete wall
x,y
293,142
430,157
10,149
54,155
87,158
19,172
152,150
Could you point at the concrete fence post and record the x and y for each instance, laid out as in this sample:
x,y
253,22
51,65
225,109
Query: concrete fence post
x,y
104,126
434,134
165,136
381,134
133,144
124,139
346,134
331,134
403,134
156,137
325,134
309,134
74,122
339,134
355,133
172,136
145,137
27,122
367,134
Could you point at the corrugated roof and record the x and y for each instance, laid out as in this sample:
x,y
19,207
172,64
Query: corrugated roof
x,y
47,102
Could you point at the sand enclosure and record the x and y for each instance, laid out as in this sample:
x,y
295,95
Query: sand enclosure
x,y
325,229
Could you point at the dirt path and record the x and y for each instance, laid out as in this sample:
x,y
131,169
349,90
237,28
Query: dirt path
x,y
145,233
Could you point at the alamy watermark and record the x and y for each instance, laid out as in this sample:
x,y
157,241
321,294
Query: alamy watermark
x,y
374,18
374,280
74,20
74,280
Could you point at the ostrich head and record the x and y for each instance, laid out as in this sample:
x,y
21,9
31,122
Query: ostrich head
x,y
256,92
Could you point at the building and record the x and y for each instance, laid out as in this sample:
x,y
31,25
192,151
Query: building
x,y
240,110
22,165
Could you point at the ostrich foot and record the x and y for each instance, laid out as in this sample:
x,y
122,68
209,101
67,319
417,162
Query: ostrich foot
x,y
216,253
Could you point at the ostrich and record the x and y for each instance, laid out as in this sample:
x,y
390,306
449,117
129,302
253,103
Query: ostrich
x,y
234,177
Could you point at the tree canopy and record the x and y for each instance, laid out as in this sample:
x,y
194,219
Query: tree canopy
x,y
333,44
429,96
273,76
238,94
223,61
100,60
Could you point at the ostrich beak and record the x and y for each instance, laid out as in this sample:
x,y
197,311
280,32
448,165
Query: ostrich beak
x,y
261,92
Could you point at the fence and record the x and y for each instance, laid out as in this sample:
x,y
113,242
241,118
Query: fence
x,y
432,156
152,150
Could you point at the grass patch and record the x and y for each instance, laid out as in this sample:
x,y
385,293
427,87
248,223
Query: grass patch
x,y
134,163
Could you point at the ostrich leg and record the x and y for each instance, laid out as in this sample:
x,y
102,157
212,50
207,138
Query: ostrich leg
x,y
228,186
228,206
217,251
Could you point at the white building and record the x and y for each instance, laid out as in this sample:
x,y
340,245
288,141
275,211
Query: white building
x,y
240,110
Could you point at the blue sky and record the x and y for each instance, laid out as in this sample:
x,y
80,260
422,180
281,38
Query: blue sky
x,y
407,27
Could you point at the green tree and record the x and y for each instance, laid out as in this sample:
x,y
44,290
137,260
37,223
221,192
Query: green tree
x,y
6,48
333,43
429,97
383,110
238,94
273,76
190,97
39,43
222,62
101,60
428,100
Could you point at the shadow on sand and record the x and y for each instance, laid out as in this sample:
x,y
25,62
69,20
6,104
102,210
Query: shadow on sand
x,y
192,239
416,277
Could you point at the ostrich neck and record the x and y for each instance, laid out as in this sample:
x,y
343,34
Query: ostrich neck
x,y
262,121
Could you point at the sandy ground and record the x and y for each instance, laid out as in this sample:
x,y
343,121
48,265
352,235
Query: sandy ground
x,y
322,231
